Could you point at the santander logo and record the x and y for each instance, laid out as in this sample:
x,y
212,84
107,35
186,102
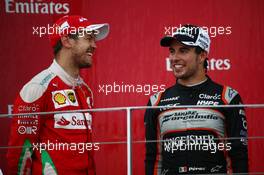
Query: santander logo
x,y
63,122
72,120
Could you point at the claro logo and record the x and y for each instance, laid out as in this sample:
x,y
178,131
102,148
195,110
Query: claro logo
x,y
36,7
213,64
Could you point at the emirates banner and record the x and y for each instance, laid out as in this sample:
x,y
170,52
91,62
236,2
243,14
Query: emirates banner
x,y
130,65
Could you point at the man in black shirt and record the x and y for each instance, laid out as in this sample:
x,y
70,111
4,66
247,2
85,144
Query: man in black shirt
x,y
192,140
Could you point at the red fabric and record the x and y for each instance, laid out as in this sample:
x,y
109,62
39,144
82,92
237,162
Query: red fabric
x,y
74,22
63,128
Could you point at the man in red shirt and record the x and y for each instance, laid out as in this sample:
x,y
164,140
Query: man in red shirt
x,y
58,143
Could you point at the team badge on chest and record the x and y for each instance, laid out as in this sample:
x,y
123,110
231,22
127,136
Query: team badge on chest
x,y
64,98
71,96
59,98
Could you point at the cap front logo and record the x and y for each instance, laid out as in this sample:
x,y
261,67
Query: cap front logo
x,y
185,33
82,19
64,25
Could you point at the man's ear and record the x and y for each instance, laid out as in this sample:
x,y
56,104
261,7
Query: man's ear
x,y
65,41
203,56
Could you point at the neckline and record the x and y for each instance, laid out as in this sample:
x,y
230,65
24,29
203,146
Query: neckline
x,y
194,86
68,79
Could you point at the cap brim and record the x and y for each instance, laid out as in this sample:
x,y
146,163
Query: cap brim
x,y
103,30
166,41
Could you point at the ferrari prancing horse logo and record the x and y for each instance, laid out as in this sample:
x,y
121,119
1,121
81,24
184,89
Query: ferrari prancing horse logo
x,y
71,96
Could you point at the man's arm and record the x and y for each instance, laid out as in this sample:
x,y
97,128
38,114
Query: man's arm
x,y
151,135
24,130
237,127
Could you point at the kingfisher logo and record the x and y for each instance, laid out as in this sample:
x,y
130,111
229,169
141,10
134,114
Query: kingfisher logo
x,y
36,7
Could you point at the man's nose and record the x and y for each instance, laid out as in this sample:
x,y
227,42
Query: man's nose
x,y
174,57
93,44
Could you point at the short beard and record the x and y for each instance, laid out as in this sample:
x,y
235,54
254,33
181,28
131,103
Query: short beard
x,y
82,66
189,74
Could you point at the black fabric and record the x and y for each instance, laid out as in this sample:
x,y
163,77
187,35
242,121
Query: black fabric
x,y
187,33
203,126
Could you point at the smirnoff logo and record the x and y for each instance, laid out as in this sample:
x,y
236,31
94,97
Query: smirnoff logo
x,y
36,7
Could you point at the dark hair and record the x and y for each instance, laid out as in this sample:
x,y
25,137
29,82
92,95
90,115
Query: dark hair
x,y
199,50
58,45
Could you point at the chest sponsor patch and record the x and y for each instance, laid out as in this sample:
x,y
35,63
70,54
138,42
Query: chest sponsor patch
x,y
63,98
72,120
229,94
192,119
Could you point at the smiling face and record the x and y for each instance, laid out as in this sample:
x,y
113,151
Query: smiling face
x,y
82,50
186,64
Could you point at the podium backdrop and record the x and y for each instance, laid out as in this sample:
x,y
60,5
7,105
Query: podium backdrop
x,y
131,56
